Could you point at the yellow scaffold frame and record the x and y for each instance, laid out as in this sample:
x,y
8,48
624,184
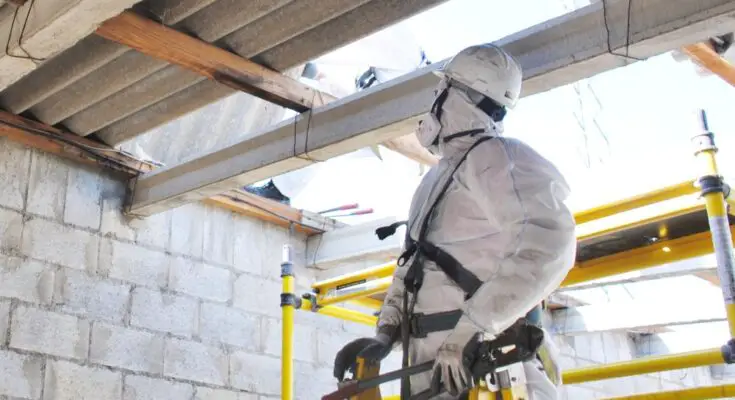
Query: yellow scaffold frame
x,y
358,287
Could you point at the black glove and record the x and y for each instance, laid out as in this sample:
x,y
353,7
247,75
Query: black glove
x,y
374,349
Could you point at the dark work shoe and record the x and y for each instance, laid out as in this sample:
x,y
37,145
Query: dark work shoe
x,y
269,191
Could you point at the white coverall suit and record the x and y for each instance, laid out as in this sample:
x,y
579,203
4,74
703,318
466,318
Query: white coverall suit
x,y
503,218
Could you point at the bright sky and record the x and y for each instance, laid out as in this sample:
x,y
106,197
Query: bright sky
x,y
646,114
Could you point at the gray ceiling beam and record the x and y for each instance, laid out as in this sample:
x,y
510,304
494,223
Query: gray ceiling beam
x,y
554,53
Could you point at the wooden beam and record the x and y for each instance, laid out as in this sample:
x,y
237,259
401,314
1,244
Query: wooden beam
x,y
704,55
159,41
52,140
410,147
271,211
68,145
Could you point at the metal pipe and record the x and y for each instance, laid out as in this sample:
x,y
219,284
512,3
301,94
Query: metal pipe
x,y
341,313
641,258
288,303
365,289
644,365
631,203
700,393
380,271
712,187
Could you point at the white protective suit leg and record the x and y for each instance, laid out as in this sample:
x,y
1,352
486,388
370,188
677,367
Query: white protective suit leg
x,y
538,384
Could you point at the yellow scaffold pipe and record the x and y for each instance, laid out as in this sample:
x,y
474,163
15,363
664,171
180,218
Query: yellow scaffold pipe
x,y
713,190
631,203
288,303
642,366
339,312
700,393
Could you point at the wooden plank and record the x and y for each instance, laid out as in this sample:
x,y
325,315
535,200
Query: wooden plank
x,y
264,209
68,145
704,55
410,147
162,42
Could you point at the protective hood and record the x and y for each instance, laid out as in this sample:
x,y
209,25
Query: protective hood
x,y
455,122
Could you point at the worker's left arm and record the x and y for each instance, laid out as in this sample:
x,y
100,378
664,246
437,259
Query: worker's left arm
x,y
522,196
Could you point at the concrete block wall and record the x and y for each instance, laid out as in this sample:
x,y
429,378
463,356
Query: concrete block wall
x,y
181,305
607,347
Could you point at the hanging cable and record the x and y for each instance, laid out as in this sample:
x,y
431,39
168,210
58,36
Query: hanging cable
x,y
28,56
305,155
627,55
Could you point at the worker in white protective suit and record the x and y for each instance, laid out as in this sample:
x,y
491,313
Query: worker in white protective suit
x,y
492,215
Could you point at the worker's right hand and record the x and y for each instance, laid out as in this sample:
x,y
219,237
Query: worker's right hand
x,y
374,349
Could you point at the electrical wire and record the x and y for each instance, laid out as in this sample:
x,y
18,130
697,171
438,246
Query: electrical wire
x,y
627,55
28,56
305,155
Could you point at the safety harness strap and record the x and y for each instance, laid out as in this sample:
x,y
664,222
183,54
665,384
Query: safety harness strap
x,y
422,248
421,324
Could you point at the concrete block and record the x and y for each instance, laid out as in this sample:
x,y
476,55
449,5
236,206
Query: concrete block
x,y
164,312
327,323
93,298
83,198
144,388
305,338
200,280
60,244
328,343
27,280
250,245
113,221
49,332
275,238
195,361
218,235
20,375
133,263
578,393
68,381
11,227
154,231
257,295
312,383
255,373
187,234
131,349
14,165
221,324
4,320
47,185
204,393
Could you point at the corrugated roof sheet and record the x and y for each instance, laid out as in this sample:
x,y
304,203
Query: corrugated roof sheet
x,y
103,88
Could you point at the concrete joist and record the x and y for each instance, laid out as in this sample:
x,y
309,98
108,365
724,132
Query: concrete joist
x,y
593,39
353,243
51,27
641,316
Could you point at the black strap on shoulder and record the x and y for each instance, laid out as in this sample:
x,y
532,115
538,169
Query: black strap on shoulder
x,y
453,268
463,277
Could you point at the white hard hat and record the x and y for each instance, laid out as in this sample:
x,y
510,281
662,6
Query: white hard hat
x,y
487,69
